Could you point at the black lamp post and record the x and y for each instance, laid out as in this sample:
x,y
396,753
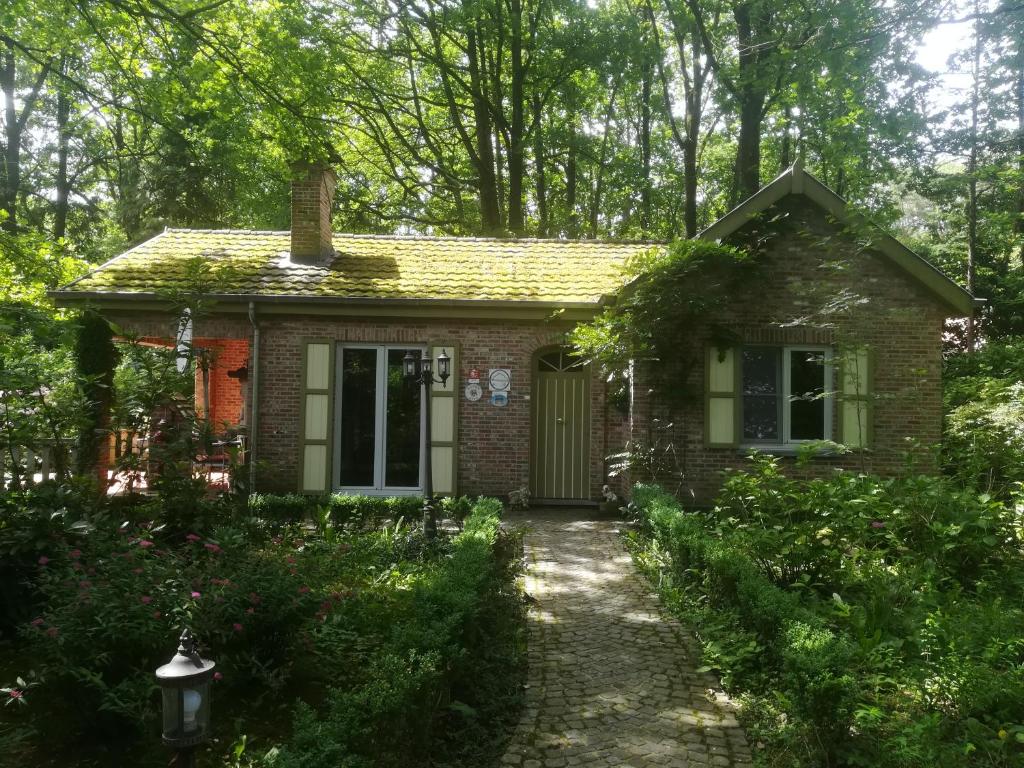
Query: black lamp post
x,y
420,370
185,684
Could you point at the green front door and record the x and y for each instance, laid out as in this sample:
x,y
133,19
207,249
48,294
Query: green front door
x,y
561,429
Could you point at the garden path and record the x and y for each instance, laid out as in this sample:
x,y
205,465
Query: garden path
x,y
613,678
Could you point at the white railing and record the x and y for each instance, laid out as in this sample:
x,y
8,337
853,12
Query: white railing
x,y
23,466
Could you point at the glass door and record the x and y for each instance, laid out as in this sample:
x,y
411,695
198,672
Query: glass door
x,y
379,423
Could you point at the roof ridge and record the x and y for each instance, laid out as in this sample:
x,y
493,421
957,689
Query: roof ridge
x,y
427,238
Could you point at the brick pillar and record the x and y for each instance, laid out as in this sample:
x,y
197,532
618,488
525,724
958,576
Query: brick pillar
x,y
312,194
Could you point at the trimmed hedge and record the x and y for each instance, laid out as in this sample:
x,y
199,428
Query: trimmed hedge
x,y
862,621
350,511
795,640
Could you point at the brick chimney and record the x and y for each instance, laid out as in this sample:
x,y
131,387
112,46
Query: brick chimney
x,y
313,187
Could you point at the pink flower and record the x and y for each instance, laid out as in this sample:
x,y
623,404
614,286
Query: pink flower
x,y
218,676
44,560
196,595
84,584
877,524
237,627
52,632
213,548
16,694
146,543
38,622
75,554
303,590
290,560
254,598
146,599
157,614
192,537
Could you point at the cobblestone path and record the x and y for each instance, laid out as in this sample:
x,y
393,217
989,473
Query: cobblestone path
x,y
612,679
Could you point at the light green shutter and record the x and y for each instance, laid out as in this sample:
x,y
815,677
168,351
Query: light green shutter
x,y
444,427
721,402
316,415
855,397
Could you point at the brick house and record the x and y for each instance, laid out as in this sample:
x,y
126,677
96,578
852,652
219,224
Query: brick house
x,y
840,341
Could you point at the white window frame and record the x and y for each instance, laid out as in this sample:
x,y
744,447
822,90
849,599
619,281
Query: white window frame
x,y
381,427
786,399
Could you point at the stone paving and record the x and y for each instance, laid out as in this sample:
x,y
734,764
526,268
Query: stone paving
x,y
613,679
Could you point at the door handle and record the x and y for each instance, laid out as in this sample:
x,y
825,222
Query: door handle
x,y
560,420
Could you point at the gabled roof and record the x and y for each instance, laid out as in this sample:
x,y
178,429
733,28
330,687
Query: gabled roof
x,y
443,271
796,181
367,268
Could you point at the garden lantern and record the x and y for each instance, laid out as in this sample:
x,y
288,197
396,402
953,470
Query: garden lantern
x,y
185,684
421,371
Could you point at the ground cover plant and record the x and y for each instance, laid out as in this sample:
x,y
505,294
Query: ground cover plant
x,y
344,644
861,621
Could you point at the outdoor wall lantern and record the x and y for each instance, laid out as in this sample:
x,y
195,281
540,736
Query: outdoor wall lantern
x,y
185,684
420,371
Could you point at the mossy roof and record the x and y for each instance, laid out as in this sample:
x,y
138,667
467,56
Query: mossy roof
x,y
248,263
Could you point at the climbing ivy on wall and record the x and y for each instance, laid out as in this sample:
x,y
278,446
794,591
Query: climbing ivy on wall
x,y
671,292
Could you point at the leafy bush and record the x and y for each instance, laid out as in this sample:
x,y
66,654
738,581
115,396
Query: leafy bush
x,y
403,672
381,632
863,621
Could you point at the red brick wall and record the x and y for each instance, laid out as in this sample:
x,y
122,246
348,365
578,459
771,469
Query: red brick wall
x,y
494,442
226,397
809,266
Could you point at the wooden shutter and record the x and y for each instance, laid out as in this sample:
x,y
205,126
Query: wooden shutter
x,y
855,375
444,427
316,415
721,401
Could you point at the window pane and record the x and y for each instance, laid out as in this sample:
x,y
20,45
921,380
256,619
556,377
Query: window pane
x,y
402,460
760,393
358,415
807,385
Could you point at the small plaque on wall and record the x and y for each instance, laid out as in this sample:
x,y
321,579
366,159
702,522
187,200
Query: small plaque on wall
x,y
473,392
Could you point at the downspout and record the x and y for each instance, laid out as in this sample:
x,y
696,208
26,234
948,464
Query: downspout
x,y
254,384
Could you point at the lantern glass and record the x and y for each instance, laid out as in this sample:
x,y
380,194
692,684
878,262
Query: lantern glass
x,y
186,712
409,364
444,366
426,365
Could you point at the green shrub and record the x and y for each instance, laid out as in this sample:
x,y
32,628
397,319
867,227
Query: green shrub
x,y
864,621
401,670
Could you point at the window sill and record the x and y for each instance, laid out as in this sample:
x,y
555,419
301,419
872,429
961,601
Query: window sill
x,y
784,450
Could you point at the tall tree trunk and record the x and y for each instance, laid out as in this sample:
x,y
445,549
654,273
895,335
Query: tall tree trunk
x,y
647,76
1019,228
539,170
786,151
12,139
972,179
60,211
490,214
517,129
694,110
751,94
573,226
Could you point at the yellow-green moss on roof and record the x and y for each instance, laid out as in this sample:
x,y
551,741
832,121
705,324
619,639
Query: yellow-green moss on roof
x,y
369,266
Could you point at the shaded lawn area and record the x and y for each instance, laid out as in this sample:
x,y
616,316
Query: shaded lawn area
x,y
336,645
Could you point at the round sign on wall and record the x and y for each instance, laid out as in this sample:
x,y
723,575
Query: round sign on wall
x,y
499,379
473,392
